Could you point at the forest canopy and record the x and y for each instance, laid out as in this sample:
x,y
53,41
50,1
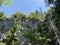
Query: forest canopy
x,y
32,29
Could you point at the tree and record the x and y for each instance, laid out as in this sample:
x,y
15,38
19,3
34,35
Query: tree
x,y
37,15
2,16
56,17
32,15
7,2
39,36
11,36
56,12
18,15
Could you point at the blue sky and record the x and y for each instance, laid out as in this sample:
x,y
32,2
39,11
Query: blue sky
x,y
24,6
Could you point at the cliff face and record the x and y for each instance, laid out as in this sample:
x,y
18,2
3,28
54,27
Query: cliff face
x,y
25,23
6,24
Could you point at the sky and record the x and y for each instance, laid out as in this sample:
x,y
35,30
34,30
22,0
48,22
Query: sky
x,y
24,6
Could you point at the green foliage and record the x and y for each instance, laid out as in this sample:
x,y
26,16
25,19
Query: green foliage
x,y
2,17
32,15
17,25
56,11
11,37
1,1
18,15
7,2
39,36
1,43
37,15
